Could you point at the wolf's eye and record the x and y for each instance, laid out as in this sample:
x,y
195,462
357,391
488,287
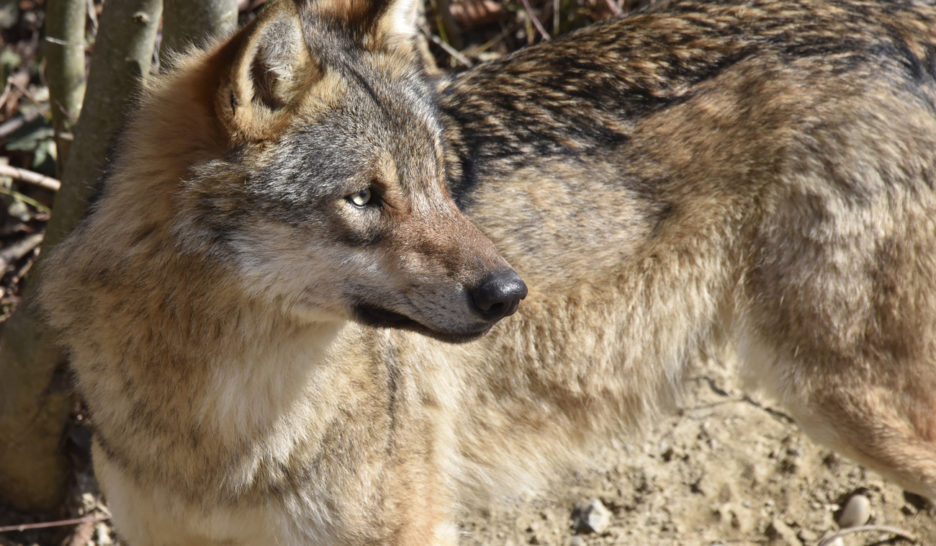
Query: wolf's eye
x,y
360,198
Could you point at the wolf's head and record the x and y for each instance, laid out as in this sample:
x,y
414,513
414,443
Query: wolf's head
x,y
330,199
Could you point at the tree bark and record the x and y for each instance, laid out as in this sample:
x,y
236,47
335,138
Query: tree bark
x,y
34,400
64,50
187,23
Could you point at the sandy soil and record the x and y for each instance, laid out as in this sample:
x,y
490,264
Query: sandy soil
x,y
724,469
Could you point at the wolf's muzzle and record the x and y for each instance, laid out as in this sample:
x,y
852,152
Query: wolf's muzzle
x,y
499,294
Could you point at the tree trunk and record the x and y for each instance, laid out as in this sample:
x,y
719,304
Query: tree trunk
x,y
34,401
187,23
64,51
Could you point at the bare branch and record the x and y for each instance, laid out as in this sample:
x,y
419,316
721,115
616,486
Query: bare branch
x,y
47,524
535,20
450,50
828,540
17,250
31,177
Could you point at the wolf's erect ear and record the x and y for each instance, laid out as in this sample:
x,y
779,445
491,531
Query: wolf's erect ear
x,y
270,70
376,24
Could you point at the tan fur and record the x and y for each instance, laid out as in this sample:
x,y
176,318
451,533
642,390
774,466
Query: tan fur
x,y
740,176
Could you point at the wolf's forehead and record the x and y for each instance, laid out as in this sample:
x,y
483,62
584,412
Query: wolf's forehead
x,y
399,95
370,135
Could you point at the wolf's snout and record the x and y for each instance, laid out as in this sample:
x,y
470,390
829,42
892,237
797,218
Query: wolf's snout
x,y
499,294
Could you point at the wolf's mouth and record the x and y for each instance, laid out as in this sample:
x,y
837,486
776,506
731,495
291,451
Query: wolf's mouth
x,y
372,315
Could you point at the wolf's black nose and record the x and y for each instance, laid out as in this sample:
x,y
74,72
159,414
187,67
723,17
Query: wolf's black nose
x,y
499,294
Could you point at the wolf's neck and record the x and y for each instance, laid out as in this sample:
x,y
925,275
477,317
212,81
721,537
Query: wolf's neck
x,y
208,362
260,374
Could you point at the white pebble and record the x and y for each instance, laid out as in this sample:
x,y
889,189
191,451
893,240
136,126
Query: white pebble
x,y
857,511
594,517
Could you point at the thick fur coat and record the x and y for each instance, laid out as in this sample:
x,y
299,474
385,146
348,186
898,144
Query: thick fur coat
x,y
262,308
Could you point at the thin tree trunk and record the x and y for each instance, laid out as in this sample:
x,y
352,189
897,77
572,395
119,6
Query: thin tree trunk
x,y
34,399
122,58
187,23
64,50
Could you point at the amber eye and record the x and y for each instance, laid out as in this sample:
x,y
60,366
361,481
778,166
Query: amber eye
x,y
360,198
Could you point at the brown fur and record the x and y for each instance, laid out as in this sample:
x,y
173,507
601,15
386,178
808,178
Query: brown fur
x,y
758,175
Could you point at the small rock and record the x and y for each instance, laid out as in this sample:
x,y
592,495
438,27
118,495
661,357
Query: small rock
x,y
592,517
738,518
832,461
576,541
857,511
780,533
807,536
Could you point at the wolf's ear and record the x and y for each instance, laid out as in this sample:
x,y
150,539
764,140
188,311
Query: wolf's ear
x,y
376,24
396,26
271,68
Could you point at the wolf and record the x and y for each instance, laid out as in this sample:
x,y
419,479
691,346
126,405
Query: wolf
x,y
291,312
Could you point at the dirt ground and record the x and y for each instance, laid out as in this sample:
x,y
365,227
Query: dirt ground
x,y
724,469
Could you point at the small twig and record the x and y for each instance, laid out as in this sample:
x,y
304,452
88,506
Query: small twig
x,y
615,9
17,250
714,386
12,125
26,199
5,95
535,20
92,16
867,528
557,14
745,399
28,94
31,177
71,116
8,87
445,23
24,269
450,50
63,43
776,414
693,412
47,524
492,42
